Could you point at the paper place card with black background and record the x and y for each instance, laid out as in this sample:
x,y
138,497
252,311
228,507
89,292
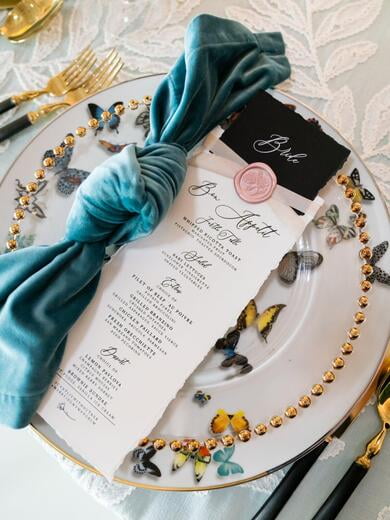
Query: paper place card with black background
x,y
302,156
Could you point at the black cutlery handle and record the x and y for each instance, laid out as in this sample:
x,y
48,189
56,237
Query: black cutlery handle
x,y
14,127
341,493
6,104
278,499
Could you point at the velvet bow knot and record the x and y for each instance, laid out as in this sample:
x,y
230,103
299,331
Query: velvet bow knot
x,y
115,205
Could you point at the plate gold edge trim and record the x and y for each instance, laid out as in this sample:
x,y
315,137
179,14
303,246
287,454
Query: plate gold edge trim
x,y
350,416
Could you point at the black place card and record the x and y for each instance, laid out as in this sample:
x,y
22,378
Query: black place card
x,y
302,156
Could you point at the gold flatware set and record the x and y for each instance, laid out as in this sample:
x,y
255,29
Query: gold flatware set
x,y
76,82
60,84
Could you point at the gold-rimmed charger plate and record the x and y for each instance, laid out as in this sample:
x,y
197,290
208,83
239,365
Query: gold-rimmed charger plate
x,y
301,345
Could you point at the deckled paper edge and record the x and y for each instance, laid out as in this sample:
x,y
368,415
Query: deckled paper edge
x,y
109,473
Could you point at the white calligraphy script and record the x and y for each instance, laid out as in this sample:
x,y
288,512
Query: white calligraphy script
x,y
274,144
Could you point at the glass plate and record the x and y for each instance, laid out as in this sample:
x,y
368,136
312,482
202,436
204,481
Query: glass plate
x,y
305,338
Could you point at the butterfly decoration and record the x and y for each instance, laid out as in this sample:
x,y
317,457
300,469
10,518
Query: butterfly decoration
x,y
267,318
228,346
68,179
143,120
336,232
201,397
226,466
144,464
97,113
249,316
34,208
379,274
201,460
222,420
294,261
112,147
360,193
263,321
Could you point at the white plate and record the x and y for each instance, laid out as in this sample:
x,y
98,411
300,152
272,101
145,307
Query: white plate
x,y
303,341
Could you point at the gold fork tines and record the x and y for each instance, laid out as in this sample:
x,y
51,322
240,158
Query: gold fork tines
x,y
69,78
76,72
102,77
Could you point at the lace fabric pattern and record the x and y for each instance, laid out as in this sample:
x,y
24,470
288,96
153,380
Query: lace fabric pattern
x,y
338,51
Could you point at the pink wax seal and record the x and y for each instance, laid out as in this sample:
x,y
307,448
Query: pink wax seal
x,y
255,183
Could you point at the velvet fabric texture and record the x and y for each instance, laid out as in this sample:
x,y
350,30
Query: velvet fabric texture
x,y
44,290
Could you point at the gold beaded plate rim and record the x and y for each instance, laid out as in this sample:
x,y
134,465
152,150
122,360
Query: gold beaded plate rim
x,y
338,429
348,417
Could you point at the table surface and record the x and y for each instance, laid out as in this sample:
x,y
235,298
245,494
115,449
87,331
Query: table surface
x,y
333,46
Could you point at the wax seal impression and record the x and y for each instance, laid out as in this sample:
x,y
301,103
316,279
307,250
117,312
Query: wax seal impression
x,y
255,183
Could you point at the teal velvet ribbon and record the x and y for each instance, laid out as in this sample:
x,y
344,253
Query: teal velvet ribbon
x,y
44,290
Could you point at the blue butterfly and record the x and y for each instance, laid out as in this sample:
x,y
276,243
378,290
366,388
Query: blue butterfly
x,y
68,178
96,112
228,346
226,467
201,397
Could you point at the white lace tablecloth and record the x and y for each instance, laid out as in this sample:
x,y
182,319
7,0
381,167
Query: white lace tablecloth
x,y
339,52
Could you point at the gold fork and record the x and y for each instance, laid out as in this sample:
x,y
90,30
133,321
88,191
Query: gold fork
x,y
68,79
102,77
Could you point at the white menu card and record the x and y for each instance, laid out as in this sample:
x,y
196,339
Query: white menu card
x,y
154,310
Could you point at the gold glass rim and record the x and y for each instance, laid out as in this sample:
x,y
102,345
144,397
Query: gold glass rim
x,y
348,418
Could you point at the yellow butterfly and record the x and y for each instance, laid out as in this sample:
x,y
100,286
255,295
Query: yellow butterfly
x,y
263,321
360,193
267,318
201,459
222,420
247,316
